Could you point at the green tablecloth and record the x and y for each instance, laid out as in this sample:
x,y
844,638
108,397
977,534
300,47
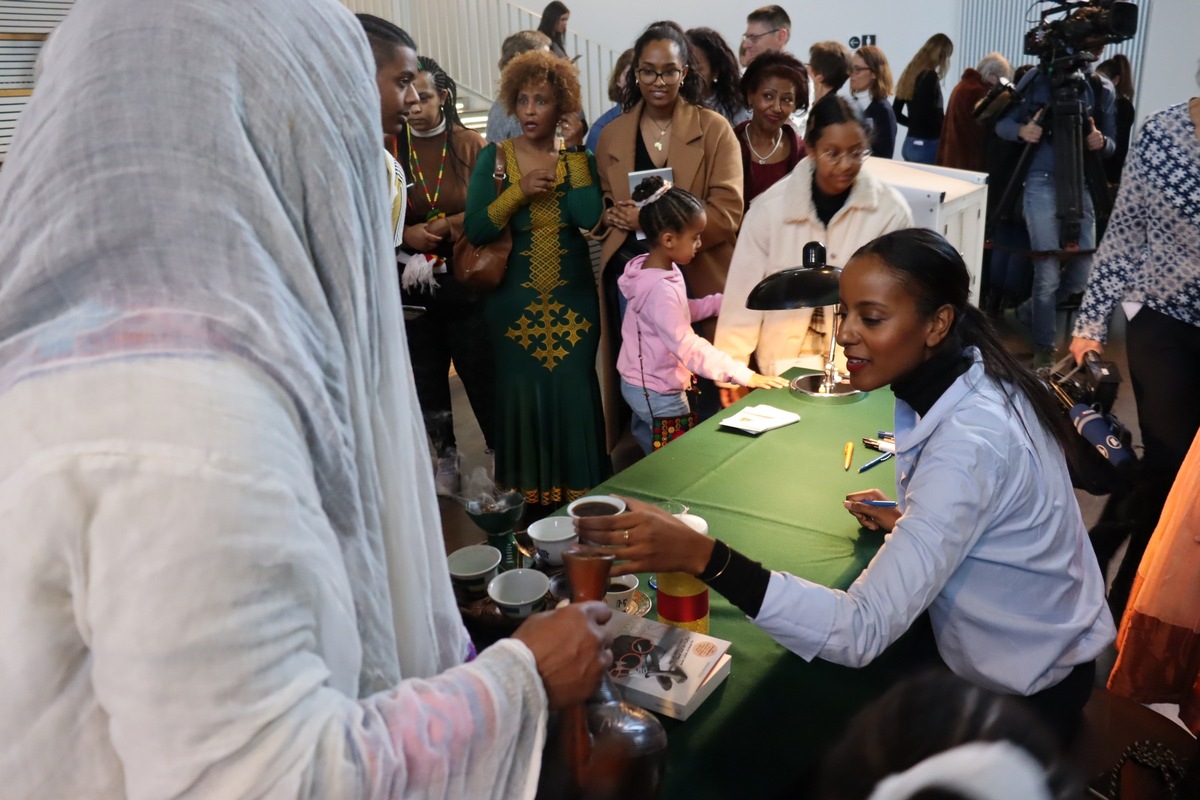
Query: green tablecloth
x,y
778,499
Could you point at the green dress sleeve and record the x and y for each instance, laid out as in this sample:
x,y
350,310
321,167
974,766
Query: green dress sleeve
x,y
488,215
584,200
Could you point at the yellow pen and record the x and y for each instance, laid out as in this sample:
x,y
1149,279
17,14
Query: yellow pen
x,y
848,456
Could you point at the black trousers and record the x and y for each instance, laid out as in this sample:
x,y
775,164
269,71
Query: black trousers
x,y
452,329
1164,368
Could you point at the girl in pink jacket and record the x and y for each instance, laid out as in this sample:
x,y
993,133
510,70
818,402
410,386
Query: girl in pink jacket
x,y
659,349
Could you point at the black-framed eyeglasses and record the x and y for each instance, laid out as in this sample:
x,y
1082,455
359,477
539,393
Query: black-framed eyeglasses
x,y
833,158
670,76
753,38
857,70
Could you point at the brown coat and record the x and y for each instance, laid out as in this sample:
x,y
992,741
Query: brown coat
x,y
705,159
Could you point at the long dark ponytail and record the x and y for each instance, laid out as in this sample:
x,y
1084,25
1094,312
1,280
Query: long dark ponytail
x,y
933,272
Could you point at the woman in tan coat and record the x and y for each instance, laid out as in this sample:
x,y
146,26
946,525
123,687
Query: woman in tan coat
x,y
665,125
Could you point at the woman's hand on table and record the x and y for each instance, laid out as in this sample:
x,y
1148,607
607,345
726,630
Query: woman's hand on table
x,y
647,539
731,394
571,647
873,518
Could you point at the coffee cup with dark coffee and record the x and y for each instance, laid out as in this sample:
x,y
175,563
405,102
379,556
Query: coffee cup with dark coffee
x,y
596,505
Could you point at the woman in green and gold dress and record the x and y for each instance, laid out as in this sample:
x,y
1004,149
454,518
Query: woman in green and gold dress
x,y
544,317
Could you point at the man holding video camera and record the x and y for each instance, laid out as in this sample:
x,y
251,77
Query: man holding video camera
x,y
1056,273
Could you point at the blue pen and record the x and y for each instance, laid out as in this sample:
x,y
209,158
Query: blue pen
x,y
886,435
876,462
879,503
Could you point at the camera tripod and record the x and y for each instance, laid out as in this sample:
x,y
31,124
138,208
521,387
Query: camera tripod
x,y
1075,168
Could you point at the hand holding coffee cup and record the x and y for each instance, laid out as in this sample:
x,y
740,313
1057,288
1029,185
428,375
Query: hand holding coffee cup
x,y
647,539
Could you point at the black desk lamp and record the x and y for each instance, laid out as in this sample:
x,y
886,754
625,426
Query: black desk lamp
x,y
811,286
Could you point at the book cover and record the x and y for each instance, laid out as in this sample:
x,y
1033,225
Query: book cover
x,y
757,419
663,668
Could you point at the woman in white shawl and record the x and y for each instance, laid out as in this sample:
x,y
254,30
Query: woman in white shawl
x,y
219,546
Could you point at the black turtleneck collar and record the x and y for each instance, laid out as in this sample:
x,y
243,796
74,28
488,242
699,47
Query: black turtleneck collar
x,y
826,205
922,387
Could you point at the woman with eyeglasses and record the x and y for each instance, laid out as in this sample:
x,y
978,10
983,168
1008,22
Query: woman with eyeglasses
x,y
871,73
826,198
665,125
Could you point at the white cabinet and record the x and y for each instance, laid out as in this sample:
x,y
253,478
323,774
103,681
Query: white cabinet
x,y
952,202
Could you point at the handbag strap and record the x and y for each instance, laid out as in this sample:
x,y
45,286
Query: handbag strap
x,y
690,389
500,171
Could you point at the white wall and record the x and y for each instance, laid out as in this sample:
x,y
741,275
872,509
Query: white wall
x,y
900,28
1172,51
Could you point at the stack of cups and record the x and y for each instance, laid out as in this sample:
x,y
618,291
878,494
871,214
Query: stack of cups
x,y
682,598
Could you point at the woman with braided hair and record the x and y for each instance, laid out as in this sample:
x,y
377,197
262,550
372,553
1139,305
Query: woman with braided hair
x,y
438,154
659,349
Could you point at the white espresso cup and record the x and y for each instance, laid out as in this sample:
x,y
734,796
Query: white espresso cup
x,y
519,592
471,569
552,536
620,591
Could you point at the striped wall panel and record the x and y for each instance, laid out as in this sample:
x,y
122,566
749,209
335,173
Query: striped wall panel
x,y
1001,25
16,64
32,16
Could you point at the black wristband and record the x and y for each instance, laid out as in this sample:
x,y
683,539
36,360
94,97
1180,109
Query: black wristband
x,y
741,581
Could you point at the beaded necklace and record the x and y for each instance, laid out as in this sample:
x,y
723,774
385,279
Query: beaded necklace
x,y
415,164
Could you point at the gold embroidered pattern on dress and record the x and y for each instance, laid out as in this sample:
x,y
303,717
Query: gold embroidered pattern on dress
x,y
547,330
581,176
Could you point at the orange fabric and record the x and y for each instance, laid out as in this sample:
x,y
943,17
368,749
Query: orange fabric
x,y
1159,641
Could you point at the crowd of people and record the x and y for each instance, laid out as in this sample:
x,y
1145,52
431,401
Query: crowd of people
x,y
220,559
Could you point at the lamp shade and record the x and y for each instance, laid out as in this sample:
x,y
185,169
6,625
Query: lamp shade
x,y
800,287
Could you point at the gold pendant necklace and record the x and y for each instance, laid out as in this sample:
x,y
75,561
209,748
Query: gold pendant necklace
x,y
658,145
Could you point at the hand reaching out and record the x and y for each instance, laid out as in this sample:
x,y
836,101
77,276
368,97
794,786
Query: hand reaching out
x,y
767,382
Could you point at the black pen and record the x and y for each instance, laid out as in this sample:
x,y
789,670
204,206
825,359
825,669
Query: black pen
x,y
876,462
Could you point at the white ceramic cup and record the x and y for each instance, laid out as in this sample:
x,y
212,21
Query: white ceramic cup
x,y
552,536
519,592
472,568
618,599
586,506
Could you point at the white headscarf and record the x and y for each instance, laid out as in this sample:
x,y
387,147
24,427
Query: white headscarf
x,y
978,770
195,178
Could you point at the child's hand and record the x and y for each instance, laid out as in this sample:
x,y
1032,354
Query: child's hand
x,y
731,394
767,382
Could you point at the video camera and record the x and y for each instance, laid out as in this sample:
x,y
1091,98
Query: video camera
x,y
1085,26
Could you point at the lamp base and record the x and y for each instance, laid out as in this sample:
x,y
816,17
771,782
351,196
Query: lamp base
x,y
814,386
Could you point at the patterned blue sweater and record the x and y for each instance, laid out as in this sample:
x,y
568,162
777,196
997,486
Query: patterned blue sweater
x,y
1151,251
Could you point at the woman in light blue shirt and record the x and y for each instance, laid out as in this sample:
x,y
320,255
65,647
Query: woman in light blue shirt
x,y
986,536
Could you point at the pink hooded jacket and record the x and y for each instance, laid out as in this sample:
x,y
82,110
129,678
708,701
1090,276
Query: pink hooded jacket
x,y
671,350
